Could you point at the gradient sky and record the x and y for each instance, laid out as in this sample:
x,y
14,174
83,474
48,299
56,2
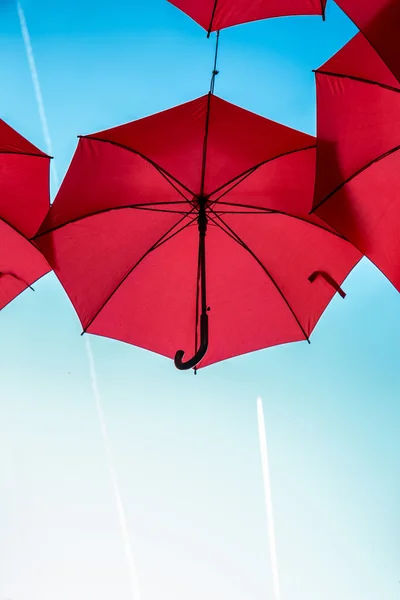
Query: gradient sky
x,y
186,448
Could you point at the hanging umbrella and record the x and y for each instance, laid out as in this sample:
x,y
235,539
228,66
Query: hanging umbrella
x,y
213,15
379,21
358,159
24,202
195,214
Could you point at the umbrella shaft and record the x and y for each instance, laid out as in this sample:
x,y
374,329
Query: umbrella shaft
x,y
202,349
202,223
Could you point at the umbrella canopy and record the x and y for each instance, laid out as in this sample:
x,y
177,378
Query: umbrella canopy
x,y
358,159
24,202
213,15
379,21
197,213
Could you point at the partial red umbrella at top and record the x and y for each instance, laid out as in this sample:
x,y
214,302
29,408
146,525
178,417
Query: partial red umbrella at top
x,y
190,229
379,21
358,153
24,203
214,15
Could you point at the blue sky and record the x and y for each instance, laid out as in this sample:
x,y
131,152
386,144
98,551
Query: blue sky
x,y
186,448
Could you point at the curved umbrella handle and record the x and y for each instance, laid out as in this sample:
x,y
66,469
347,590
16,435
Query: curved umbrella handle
x,y
2,273
329,279
192,362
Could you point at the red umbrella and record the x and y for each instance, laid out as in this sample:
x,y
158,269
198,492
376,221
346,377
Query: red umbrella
x,y
358,160
213,15
24,202
379,21
127,234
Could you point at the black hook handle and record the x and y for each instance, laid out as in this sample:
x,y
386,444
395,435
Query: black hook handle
x,y
189,364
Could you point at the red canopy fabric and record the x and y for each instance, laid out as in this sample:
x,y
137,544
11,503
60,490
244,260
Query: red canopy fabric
x,y
213,15
24,202
122,234
358,160
379,21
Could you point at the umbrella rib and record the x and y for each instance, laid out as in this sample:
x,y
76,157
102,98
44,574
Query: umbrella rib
x,y
237,182
359,79
354,175
242,176
160,169
323,7
166,177
232,233
280,212
168,235
161,210
29,240
33,154
242,212
212,18
110,209
175,233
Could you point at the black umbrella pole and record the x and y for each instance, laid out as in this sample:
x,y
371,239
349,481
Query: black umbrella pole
x,y
190,364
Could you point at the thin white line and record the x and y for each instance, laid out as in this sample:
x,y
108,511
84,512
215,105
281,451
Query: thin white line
x,y
113,477
134,585
268,499
37,89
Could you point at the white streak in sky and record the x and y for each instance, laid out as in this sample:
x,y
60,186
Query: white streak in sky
x,y
36,87
134,585
268,499
113,477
